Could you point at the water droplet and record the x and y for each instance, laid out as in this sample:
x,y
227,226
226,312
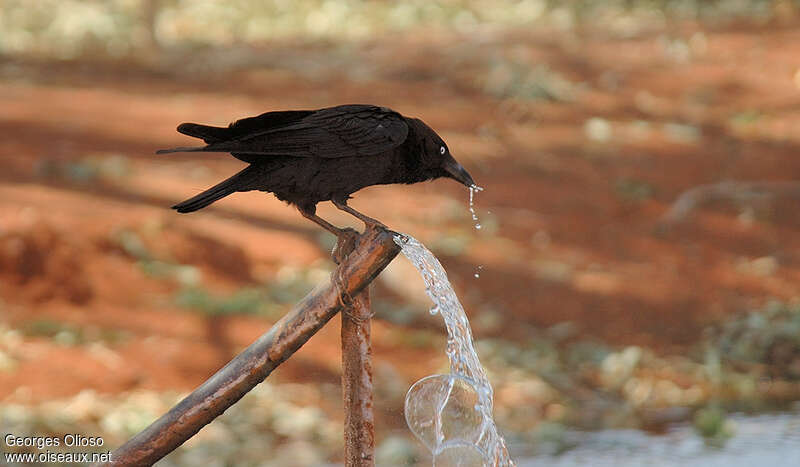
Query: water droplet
x,y
472,190
477,275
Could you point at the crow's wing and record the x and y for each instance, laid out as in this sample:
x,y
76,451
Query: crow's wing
x,y
348,130
243,127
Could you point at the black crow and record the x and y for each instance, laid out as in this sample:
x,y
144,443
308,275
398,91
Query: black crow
x,y
308,156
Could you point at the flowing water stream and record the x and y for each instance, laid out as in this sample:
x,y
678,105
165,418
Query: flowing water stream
x,y
452,414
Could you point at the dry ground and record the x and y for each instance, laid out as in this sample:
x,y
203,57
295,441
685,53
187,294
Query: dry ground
x,y
575,185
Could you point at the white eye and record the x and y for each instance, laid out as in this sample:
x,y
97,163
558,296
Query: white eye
x,y
442,150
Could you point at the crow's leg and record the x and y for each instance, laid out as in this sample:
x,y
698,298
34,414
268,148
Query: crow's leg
x,y
345,240
310,215
369,222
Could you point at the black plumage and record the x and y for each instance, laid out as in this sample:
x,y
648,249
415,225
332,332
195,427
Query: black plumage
x,y
308,156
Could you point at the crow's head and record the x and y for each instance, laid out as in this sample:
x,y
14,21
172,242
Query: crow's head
x,y
436,156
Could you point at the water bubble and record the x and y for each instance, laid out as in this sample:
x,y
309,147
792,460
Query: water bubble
x,y
459,455
444,408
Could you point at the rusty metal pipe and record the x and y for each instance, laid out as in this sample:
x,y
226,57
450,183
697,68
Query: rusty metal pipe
x,y
359,420
374,250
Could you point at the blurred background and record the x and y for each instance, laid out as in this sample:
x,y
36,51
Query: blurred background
x,y
639,265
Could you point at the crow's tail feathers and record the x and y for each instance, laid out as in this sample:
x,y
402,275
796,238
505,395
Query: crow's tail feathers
x,y
181,149
224,146
242,181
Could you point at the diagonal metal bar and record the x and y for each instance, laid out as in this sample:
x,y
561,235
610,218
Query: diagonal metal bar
x,y
373,251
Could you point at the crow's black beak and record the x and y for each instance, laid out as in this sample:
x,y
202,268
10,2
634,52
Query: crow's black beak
x,y
457,172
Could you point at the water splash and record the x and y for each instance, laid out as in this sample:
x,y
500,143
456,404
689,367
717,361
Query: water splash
x,y
472,190
452,414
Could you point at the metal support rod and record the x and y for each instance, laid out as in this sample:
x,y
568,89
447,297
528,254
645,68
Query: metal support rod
x,y
359,421
374,249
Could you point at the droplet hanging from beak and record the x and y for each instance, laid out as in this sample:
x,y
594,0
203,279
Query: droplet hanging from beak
x,y
472,189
